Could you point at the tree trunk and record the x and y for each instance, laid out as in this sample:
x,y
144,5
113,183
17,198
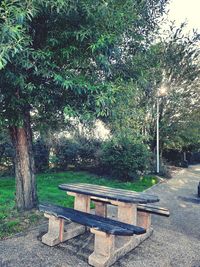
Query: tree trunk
x,y
26,195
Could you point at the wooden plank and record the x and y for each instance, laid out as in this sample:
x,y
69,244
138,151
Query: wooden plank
x,y
154,210
109,193
93,221
106,189
153,207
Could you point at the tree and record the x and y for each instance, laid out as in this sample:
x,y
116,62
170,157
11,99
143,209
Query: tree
x,y
172,61
180,73
57,54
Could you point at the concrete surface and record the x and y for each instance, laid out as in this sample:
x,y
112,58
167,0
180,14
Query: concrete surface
x,y
174,243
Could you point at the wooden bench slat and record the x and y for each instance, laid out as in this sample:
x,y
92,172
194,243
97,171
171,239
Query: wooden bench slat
x,y
114,190
109,193
154,210
102,224
107,190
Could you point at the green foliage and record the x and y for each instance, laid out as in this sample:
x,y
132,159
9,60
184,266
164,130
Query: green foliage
x,y
179,110
125,158
41,155
172,62
65,53
66,153
127,115
6,154
79,152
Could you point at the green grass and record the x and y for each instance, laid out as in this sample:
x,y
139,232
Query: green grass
x,y
47,184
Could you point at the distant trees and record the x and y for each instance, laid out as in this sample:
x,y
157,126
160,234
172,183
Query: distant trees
x,y
172,62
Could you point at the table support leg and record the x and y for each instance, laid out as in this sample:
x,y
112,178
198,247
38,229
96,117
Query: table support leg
x,y
144,219
127,213
100,209
82,203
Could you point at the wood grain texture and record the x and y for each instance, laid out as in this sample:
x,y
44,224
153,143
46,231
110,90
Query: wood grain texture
x,y
109,193
154,210
93,221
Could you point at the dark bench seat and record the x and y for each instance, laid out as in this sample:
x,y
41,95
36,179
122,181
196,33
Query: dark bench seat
x,y
106,225
153,210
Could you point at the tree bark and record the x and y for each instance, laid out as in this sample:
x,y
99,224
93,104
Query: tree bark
x,y
26,195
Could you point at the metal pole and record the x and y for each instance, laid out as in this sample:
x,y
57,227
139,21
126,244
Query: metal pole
x,y
157,139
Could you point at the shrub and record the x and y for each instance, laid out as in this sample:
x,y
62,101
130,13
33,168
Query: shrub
x,y
124,158
164,169
41,155
88,148
6,159
66,152
79,152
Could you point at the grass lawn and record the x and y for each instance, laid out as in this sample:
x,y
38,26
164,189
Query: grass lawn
x,y
47,184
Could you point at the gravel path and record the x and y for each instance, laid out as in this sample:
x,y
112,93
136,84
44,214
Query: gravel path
x,y
174,243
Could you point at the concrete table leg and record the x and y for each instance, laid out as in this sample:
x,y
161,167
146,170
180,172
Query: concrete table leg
x,y
82,203
144,219
100,209
127,213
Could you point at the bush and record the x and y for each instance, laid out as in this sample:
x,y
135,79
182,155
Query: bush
x,y
66,152
124,158
79,152
164,169
6,159
41,155
88,148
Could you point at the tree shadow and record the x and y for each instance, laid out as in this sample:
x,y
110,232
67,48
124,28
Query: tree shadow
x,y
194,200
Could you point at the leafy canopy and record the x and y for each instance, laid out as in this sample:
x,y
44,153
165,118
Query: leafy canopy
x,y
64,53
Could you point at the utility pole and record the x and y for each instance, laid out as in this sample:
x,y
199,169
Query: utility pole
x,y
157,140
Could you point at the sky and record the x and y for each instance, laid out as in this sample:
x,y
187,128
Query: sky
x,y
189,10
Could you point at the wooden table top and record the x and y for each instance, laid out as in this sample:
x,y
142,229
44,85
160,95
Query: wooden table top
x,y
108,193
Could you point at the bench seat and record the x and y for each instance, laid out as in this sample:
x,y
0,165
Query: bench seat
x,y
99,223
153,210
112,239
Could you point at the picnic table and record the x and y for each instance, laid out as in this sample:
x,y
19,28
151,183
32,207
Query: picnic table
x,y
113,238
125,200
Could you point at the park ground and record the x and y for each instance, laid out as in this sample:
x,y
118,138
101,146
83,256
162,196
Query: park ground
x,y
174,243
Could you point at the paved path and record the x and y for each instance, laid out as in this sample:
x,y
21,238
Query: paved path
x,y
174,243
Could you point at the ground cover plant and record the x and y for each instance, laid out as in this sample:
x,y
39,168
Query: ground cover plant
x,y
12,221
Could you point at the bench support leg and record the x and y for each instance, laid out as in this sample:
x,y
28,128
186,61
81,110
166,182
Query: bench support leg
x,y
104,247
108,249
55,231
144,219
